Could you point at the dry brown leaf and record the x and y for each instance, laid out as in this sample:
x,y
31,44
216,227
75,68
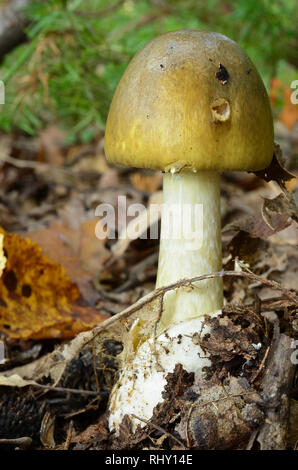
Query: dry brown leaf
x,y
95,431
289,114
137,226
149,183
76,249
15,381
292,185
256,226
283,204
51,142
293,425
79,251
275,87
275,171
37,299
2,257
220,416
52,365
86,158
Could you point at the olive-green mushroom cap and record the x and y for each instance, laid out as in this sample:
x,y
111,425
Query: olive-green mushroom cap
x,y
190,99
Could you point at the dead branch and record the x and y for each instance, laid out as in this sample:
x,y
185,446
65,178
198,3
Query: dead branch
x,y
185,283
12,24
159,428
19,443
276,385
67,390
51,173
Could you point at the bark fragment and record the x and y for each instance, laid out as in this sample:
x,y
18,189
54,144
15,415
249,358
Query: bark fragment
x,y
276,386
12,24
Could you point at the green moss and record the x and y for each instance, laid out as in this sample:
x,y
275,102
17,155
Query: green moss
x,y
78,51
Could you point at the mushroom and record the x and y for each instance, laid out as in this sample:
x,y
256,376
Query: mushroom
x,y
190,103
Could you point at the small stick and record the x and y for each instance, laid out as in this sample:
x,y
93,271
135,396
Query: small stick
x,y
67,390
155,354
187,425
185,282
19,443
261,365
69,434
159,428
94,366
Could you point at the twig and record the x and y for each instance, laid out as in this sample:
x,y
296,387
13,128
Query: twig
x,y
182,283
275,388
19,443
252,439
95,367
138,273
155,353
261,365
23,163
49,172
12,25
67,390
187,425
227,397
91,406
159,428
69,434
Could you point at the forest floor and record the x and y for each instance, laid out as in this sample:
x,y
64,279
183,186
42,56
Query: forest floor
x,y
60,280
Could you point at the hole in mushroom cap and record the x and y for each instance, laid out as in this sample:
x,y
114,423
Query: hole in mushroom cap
x,y
220,109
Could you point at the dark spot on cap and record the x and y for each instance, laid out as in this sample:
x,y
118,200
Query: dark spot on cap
x,y
26,290
248,71
10,280
161,66
222,74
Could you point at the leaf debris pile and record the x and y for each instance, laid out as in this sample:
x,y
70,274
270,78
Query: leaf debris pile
x,y
48,198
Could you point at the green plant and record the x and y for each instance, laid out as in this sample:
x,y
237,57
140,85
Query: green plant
x,y
77,51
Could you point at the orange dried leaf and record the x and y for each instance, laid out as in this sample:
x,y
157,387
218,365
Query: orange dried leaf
x,y
150,183
289,114
37,299
78,251
275,87
2,257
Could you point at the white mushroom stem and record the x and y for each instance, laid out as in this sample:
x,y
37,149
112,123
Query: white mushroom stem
x,y
190,246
